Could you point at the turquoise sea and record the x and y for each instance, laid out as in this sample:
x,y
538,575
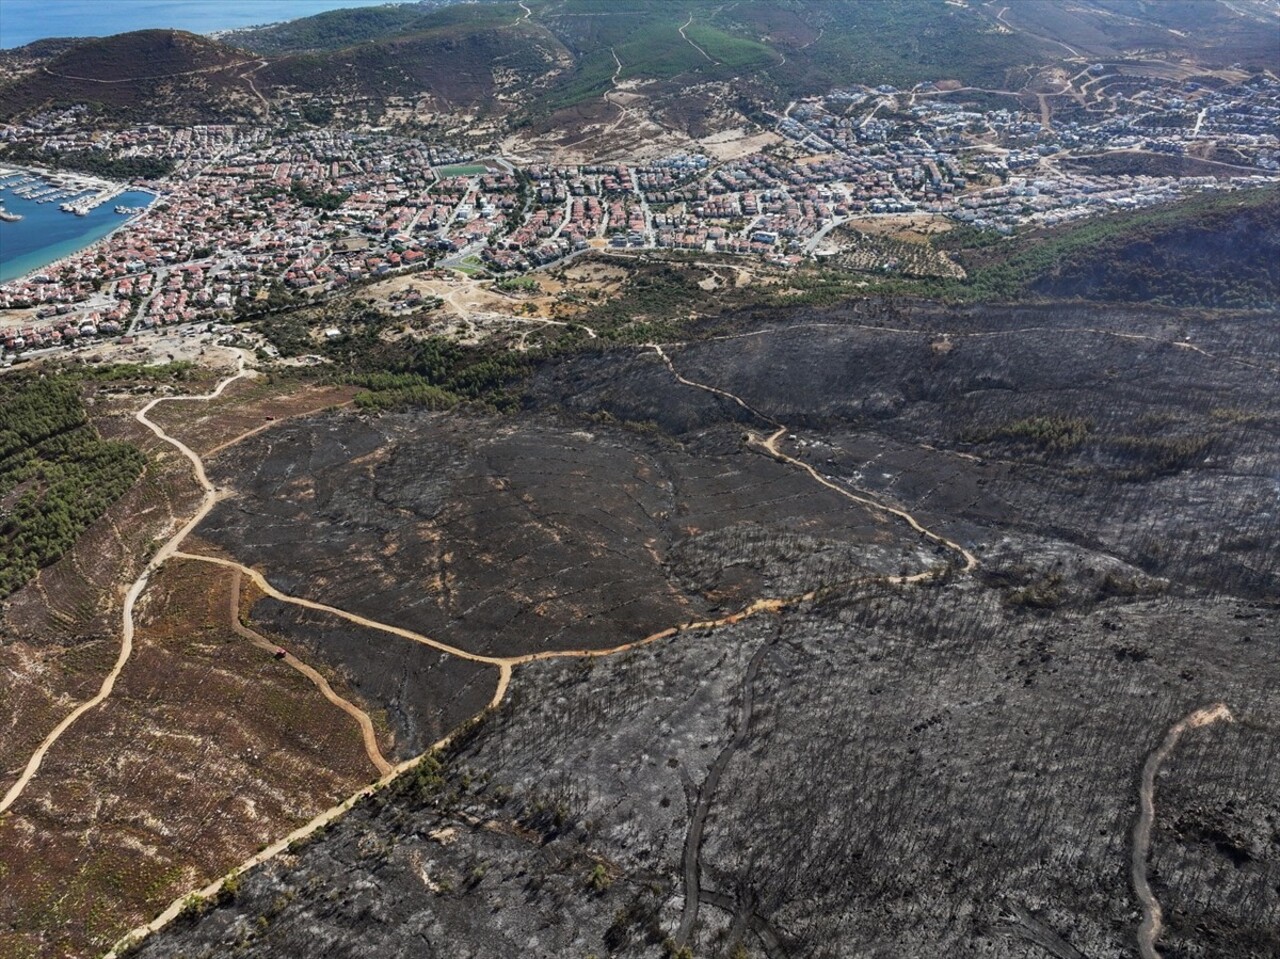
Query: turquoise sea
x,y
22,21
45,233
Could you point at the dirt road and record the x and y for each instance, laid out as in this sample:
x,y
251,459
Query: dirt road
x,y
970,561
1152,917
770,445
367,732
211,497
507,664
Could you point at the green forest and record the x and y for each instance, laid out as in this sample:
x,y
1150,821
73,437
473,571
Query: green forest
x,y
433,373
57,475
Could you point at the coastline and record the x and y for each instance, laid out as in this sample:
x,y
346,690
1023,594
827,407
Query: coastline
x,y
105,192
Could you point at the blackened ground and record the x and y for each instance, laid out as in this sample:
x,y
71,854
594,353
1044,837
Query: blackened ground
x,y
948,768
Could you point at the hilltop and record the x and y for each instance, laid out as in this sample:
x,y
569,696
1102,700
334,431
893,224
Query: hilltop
x,y
167,75
550,69
465,59
538,63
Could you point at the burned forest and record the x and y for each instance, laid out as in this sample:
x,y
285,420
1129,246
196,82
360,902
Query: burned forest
x,y
890,629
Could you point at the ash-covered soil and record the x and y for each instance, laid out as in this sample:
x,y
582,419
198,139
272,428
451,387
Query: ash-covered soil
x,y
916,770
1151,435
508,537
424,693
944,768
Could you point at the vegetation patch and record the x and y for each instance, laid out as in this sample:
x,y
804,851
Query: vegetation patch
x,y
1049,434
461,169
57,475
1216,250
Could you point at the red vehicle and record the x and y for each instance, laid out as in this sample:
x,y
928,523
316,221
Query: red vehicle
x,y
280,652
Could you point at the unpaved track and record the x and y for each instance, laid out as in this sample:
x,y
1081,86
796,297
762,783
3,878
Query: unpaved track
x,y
271,424
1152,917
211,497
732,397
247,77
505,667
970,561
159,76
270,852
356,618
770,445
706,795
506,664
685,36
355,712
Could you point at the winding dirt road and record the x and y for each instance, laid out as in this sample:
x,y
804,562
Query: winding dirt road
x,y
705,795
686,39
211,497
367,732
970,561
247,77
770,445
270,852
1152,917
158,76
732,397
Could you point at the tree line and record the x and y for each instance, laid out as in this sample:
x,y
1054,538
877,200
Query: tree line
x,y
57,475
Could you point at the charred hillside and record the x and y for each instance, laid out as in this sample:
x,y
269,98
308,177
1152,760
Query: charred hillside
x,y
1225,254
895,752
1215,251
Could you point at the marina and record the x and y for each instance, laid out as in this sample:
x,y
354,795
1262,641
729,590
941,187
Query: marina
x,y
45,217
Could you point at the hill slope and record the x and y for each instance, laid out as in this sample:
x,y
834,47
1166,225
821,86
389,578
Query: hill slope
x,y
468,58
1211,251
535,59
169,75
336,29
559,66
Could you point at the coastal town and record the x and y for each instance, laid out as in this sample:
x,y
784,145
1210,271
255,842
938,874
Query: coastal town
x,y
247,218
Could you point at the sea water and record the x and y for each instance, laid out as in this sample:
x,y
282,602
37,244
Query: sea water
x,y
22,21
45,233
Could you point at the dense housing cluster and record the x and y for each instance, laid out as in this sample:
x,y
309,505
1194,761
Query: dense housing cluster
x,y
251,216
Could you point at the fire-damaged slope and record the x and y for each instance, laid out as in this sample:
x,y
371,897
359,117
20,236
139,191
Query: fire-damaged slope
x,y
945,766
